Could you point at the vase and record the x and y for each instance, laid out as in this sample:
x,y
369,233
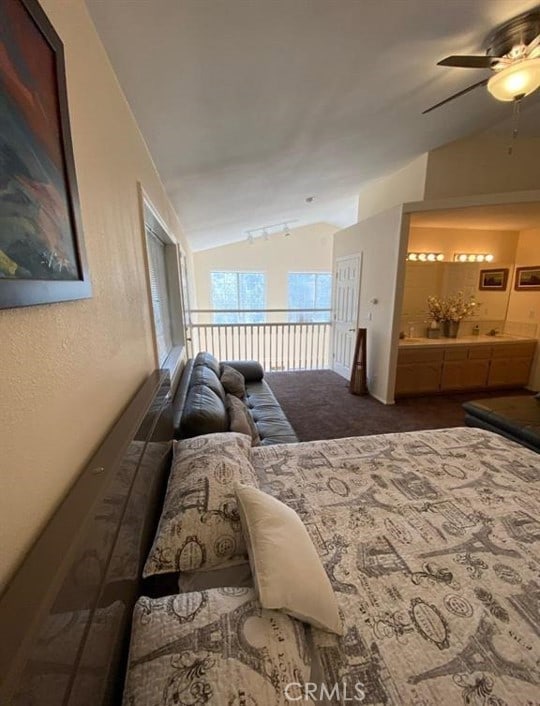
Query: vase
x,y
450,329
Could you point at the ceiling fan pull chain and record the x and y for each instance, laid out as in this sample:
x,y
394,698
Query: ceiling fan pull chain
x,y
515,123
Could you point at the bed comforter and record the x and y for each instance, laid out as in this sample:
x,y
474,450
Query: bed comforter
x,y
431,542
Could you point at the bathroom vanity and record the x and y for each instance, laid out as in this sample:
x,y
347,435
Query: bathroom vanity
x,y
428,366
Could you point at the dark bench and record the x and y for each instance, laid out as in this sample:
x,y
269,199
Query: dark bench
x,y
516,418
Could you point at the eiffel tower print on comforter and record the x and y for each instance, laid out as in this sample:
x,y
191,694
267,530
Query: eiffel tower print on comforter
x,y
431,541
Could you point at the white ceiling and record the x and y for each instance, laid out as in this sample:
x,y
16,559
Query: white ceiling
x,y
250,106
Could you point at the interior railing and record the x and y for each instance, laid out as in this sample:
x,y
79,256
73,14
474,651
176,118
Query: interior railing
x,y
280,339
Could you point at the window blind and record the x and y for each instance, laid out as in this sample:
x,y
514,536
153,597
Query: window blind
x,y
160,295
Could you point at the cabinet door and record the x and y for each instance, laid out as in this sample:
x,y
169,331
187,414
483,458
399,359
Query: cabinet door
x,y
509,372
415,378
464,375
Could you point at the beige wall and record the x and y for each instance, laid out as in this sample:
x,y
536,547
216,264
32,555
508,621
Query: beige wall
x,y
482,165
69,369
405,184
382,242
524,307
502,244
307,249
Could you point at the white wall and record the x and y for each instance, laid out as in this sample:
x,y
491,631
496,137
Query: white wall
x,y
307,249
68,369
405,184
481,165
382,241
524,307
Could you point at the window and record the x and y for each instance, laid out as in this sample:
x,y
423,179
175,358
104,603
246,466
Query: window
x,y
165,285
238,290
310,290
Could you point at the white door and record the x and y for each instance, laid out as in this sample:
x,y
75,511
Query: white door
x,y
345,312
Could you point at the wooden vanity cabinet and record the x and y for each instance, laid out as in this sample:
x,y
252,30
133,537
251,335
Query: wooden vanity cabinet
x,y
418,371
511,364
440,368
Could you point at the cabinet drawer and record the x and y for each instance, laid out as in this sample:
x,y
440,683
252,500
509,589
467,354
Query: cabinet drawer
x,y
455,353
480,352
420,355
514,350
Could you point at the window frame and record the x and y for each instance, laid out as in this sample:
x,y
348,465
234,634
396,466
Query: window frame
x,y
240,317
152,221
316,273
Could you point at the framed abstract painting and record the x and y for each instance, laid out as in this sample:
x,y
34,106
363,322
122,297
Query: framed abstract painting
x,y
42,255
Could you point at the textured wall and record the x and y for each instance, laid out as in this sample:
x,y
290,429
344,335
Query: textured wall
x,y
482,165
68,369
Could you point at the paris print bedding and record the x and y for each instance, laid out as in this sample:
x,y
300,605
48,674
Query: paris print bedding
x,y
431,542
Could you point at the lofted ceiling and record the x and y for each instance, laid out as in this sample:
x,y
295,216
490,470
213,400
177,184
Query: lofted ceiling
x,y
251,106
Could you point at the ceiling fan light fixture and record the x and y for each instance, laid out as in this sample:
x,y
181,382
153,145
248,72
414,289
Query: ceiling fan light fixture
x,y
515,81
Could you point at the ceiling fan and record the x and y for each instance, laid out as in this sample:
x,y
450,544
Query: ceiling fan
x,y
512,55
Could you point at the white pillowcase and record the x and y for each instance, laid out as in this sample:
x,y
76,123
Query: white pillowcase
x,y
286,568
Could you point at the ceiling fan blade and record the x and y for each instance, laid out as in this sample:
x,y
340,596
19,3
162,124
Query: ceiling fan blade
x,y
533,46
468,62
457,95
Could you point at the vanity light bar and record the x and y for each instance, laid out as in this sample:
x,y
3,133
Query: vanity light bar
x,y
472,257
425,256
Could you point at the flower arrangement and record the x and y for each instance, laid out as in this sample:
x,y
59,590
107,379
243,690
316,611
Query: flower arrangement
x,y
453,308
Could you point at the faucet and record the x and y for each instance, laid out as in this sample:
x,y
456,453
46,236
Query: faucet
x,y
492,332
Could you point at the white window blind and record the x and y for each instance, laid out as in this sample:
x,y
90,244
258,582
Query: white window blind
x,y
160,295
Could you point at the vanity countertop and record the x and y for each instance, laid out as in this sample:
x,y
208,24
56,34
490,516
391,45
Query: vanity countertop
x,y
462,340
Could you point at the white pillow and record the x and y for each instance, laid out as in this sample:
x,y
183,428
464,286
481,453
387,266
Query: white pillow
x,y
286,568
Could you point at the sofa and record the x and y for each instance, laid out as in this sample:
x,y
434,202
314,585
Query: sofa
x,y
516,418
200,404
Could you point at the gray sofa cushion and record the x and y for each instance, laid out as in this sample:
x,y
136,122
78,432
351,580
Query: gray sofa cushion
x,y
270,420
204,412
203,375
252,370
209,361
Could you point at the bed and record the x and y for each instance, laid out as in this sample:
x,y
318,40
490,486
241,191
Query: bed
x,y
429,540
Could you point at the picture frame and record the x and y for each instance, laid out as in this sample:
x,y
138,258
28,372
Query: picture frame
x,y
42,256
527,278
494,280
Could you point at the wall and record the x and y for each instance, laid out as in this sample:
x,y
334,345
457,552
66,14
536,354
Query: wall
x,y
445,278
524,307
482,165
502,244
307,249
382,241
405,184
69,369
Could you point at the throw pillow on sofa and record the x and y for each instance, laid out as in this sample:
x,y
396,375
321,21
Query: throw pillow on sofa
x,y
241,420
233,382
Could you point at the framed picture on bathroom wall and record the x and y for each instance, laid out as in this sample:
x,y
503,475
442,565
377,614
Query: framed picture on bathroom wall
x,y
494,280
528,278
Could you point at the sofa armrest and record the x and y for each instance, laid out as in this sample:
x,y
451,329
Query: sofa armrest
x,y
252,370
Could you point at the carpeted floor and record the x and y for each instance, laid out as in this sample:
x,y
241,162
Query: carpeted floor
x,y
319,406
